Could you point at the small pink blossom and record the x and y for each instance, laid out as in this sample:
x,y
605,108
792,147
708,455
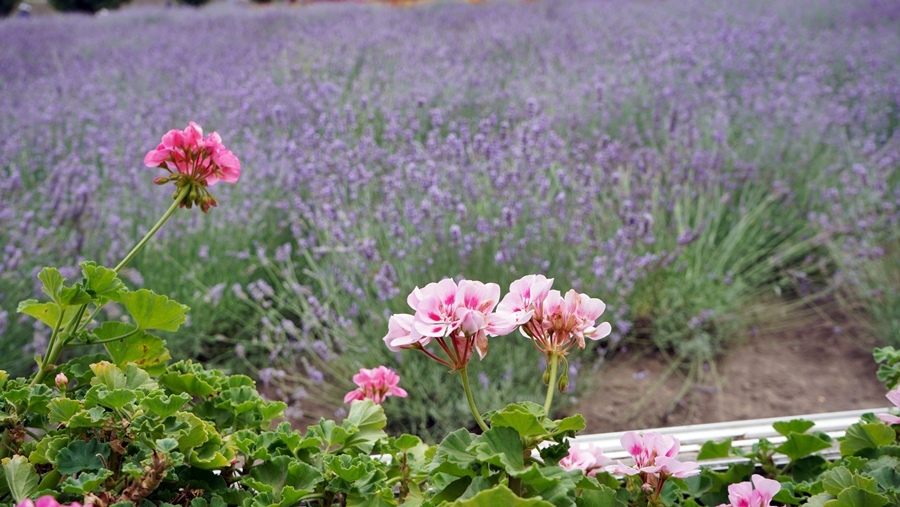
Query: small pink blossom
x,y
758,492
195,161
459,317
894,396
47,501
590,460
375,384
654,460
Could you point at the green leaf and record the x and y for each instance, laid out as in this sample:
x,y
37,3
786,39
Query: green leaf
x,y
48,313
785,428
406,442
53,283
81,456
573,423
47,449
452,455
74,296
147,351
808,468
603,497
712,450
863,436
855,497
21,478
189,383
103,282
62,409
283,475
501,447
799,445
163,406
86,482
553,484
368,417
526,418
154,311
500,495
113,377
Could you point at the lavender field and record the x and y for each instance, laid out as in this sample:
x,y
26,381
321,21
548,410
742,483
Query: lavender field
x,y
693,164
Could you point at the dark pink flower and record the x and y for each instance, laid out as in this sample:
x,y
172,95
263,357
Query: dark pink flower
x,y
194,161
654,460
375,384
47,501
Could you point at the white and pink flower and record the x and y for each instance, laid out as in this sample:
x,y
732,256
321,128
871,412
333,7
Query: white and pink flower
x,y
894,396
589,460
758,492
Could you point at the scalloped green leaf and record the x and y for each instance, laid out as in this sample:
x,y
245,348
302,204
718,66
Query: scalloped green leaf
x,y
501,447
86,482
785,428
81,456
553,484
63,409
21,478
154,311
573,423
525,418
603,497
52,283
163,406
113,377
103,282
500,495
48,313
452,455
145,350
713,450
369,420
862,436
47,449
72,296
87,418
189,383
855,497
406,442
799,445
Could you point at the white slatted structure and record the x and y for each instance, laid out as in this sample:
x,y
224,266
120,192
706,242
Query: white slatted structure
x,y
743,434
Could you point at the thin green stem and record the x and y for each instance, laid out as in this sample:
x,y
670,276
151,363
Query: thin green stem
x,y
108,340
551,387
468,388
137,248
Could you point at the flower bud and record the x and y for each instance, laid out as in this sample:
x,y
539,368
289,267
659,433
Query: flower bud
x,y
162,180
563,383
62,381
547,376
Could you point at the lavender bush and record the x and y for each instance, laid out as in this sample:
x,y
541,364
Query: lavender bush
x,y
683,159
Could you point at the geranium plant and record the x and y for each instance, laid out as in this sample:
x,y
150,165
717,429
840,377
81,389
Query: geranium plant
x,y
127,427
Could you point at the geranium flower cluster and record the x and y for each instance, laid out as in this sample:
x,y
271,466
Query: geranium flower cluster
x,y
195,162
375,384
461,317
47,501
654,460
758,492
589,460
555,323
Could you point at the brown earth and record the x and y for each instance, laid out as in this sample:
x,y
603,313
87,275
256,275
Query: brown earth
x,y
805,370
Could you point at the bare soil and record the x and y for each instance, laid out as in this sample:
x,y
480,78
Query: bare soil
x,y
805,370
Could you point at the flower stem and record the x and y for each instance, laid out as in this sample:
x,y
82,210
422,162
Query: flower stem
x,y
137,248
551,387
468,388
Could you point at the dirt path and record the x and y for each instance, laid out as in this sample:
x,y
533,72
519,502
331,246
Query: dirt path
x,y
778,374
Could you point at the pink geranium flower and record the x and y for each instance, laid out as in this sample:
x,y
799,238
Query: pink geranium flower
x,y
47,501
894,396
654,460
554,322
196,162
758,492
589,461
459,317
375,384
